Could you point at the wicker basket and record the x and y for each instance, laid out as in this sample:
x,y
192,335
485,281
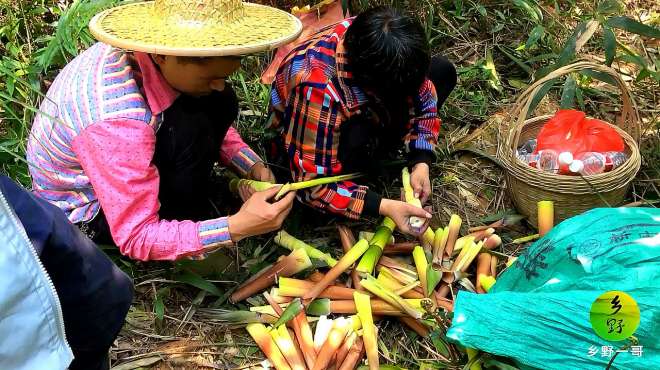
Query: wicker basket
x,y
572,195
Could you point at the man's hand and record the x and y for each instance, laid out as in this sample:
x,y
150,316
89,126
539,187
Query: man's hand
x,y
420,182
258,216
400,213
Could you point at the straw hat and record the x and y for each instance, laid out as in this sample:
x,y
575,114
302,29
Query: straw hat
x,y
195,27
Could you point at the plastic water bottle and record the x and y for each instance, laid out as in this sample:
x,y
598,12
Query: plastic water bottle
x,y
528,147
544,160
592,163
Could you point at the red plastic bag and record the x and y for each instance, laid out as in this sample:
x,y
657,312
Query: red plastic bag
x,y
329,12
571,131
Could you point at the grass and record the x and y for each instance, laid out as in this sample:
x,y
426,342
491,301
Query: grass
x,y
499,47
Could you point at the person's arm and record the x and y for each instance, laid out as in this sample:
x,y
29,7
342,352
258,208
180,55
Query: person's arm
x,y
236,153
422,137
317,113
116,156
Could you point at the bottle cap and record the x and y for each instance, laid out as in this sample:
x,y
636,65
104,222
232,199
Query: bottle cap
x,y
576,166
565,157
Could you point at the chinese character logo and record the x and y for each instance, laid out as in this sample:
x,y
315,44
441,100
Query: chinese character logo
x,y
614,315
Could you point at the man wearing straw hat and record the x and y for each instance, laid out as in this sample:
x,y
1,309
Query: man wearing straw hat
x,y
353,94
131,128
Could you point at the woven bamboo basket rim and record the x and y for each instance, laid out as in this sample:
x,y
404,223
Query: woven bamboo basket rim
x,y
255,28
627,126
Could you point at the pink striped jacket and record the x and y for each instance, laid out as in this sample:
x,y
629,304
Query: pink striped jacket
x,y
92,144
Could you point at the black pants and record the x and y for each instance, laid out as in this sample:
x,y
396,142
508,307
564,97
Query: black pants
x,y
187,146
94,293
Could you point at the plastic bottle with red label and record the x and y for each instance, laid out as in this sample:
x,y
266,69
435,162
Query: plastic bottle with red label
x,y
593,163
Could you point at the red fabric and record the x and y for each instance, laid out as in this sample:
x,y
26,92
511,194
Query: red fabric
x,y
312,22
571,131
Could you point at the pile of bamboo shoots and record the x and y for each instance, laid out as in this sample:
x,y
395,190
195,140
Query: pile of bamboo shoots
x,y
407,281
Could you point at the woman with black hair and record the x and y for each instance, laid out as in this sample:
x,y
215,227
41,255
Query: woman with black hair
x,y
353,94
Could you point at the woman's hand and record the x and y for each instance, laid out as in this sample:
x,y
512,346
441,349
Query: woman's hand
x,y
260,172
400,213
420,182
259,216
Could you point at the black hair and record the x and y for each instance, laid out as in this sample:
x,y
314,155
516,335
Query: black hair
x,y
387,51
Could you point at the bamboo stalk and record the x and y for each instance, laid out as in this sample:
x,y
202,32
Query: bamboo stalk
x,y
376,245
468,244
236,183
354,356
288,349
345,347
398,269
317,307
399,248
288,241
443,302
546,217
347,240
419,328
378,307
392,284
316,276
483,269
331,345
526,239
427,239
290,287
342,265
482,235
439,244
407,288
454,229
487,282
493,242
277,297
305,338
421,264
323,327
296,345
472,251
275,305
372,285
397,275
292,264
312,183
363,304
494,261
261,336
443,290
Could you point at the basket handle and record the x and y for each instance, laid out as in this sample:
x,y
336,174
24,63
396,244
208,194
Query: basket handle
x,y
628,120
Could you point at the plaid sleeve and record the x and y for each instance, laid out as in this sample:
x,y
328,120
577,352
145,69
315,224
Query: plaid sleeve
x,y
424,126
311,116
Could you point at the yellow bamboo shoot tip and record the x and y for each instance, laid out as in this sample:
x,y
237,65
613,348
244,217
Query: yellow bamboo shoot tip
x,y
546,217
363,305
487,282
419,257
261,336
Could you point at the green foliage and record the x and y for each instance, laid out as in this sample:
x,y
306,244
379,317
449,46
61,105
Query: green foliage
x,y
36,39
604,18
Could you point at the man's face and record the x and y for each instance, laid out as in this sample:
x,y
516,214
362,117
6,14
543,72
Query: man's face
x,y
199,77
